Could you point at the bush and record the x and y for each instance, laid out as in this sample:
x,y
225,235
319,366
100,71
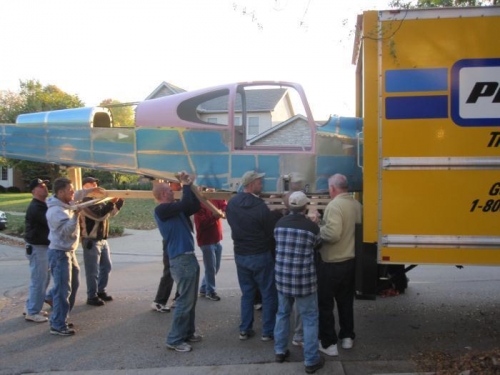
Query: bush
x,y
13,189
115,231
2,189
129,186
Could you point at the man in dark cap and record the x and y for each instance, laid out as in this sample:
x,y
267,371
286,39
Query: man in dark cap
x,y
36,236
252,226
94,223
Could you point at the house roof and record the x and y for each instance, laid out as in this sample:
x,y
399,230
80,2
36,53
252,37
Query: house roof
x,y
271,130
257,100
165,89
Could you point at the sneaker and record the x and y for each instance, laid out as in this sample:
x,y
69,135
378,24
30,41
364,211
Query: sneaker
x,y
332,350
246,335
195,338
213,296
62,332
257,306
71,325
267,338
96,301
37,318
202,294
280,357
159,307
105,297
182,347
347,343
48,302
312,369
298,343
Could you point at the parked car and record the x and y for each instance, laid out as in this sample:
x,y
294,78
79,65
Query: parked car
x,y
3,220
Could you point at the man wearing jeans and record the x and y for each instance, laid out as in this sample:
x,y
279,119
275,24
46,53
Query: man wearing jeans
x,y
297,238
64,233
208,235
177,231
94,223
37,242
252,226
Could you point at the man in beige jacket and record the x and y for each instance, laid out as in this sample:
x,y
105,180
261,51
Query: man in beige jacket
x,y
336,267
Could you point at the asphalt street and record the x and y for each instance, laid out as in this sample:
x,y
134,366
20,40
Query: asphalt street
x,y
444,309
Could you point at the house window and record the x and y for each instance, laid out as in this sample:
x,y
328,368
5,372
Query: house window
x,y
237,121
212,120
5,175
253,126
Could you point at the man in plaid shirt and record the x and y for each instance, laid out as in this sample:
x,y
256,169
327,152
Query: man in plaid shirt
x,y
297,239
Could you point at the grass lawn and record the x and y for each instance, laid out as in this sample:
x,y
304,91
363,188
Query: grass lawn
x,y
135,214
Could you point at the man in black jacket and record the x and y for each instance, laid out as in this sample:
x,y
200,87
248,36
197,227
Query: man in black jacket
x,y
37,242
94,223
252,226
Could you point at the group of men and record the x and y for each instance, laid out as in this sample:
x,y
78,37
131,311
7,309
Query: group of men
x,y
54,227
276,257
288,258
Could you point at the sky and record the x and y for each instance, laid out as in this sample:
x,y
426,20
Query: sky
x,y
124,49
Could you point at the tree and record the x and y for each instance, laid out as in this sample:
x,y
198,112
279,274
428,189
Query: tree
x,y
123,113
441,3
33,97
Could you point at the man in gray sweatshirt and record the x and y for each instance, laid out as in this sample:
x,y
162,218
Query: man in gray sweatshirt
x,y
64,233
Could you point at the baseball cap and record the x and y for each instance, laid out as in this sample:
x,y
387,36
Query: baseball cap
x,y
298,200
250,176
34,183
90,180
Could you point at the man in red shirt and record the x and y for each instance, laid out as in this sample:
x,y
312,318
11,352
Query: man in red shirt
x,y
208,237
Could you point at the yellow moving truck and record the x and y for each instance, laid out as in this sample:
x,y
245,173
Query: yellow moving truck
x,y
428,90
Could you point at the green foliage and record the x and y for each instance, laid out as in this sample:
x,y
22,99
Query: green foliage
x,y
116,180
15,225
40,98
116,231
401,4
33,97
13,189
123,114
11,104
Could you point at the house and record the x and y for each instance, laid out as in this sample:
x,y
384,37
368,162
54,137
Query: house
x,y
9,177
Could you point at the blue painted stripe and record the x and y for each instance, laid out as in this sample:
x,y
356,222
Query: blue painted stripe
x,y
75,144
67,156
329,165
270,165
114,147
114,159
416,107
68,134
242,163
416,80
209,165
26,132
23,149
167,163
159,139
209,141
